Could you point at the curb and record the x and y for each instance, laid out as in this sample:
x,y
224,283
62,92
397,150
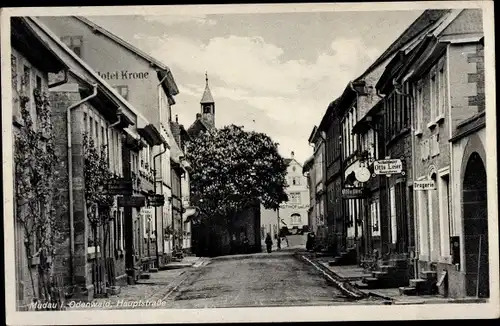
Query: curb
x,y
259,255
345,287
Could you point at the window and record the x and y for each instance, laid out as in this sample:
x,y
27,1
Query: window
x,y
393,215
434,145
433,97
38,83
375,217
294,198
74,43
85,123
122,90
419,109
442,92
296,181
26,81
444,214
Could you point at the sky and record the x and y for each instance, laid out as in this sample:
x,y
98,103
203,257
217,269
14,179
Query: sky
x,y
274,73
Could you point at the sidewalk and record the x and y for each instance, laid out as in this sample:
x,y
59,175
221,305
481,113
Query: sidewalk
x,y
147,293
353,273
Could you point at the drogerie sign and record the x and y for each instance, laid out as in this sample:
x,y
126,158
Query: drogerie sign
x,y
392,166
424,185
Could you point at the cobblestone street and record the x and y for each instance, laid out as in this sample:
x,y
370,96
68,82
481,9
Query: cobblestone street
x,y
276,279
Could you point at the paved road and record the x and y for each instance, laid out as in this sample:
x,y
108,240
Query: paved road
x,y
275,279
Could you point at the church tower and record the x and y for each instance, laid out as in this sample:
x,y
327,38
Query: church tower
x,y
208,105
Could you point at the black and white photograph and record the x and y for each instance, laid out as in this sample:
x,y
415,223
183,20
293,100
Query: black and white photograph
x,y
280,162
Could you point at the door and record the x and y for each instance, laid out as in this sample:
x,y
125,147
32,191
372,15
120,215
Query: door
x,y
475,220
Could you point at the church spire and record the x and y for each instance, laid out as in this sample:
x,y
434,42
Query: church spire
x,y
207,94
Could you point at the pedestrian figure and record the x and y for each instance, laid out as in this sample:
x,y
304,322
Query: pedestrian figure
x,y
310,241
269,243
278,239
245,244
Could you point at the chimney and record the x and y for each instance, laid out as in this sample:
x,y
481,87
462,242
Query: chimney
x,y
293,154
198,115
176,118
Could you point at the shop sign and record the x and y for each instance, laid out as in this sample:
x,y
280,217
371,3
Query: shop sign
x,y
353,193
424,185
156,200
132,201
120,187
390,166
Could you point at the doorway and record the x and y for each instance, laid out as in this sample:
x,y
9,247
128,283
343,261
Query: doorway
x,y
475,218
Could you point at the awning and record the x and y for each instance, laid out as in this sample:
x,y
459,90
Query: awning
x,y
150,133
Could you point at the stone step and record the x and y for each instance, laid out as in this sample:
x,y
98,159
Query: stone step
x,y
387,268
153,270
360,285
429,275
145,276
333,262
370,280
407,290
417,282
380,274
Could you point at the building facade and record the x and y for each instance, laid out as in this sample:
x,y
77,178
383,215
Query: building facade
x,y
330,125
318,139
448,80
28,73
293,214
99,113
149,85
309,173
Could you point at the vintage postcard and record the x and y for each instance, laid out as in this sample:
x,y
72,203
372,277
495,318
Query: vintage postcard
x,y
260,163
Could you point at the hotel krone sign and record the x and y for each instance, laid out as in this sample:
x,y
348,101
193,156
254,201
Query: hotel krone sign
x,y
124,75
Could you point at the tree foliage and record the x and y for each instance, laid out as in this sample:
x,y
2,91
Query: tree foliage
x,y
37,194
233,168
97,175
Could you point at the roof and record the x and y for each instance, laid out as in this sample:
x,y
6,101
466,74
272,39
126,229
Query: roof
x,y
81,64
169,84
25,39
308,164
207,94
312,135
288,161
427,18
327,114
198,124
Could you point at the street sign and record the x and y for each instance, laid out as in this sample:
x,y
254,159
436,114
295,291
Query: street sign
x,y
353,193
424,185
156,200
132,201
390,166
121,186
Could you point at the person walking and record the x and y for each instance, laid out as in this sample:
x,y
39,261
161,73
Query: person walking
x,y
269,243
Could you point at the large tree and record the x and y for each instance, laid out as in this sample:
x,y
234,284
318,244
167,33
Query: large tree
x,y
232,170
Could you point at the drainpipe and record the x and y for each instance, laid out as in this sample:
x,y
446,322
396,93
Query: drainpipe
x,y
70,179
64,81
356,207
156,210
413,172
119,117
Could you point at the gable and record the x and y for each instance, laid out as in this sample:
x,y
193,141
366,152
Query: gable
x,y
195,129
469,21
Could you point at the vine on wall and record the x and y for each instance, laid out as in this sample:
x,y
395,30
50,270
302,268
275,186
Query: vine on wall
x,y
38,198
97,175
